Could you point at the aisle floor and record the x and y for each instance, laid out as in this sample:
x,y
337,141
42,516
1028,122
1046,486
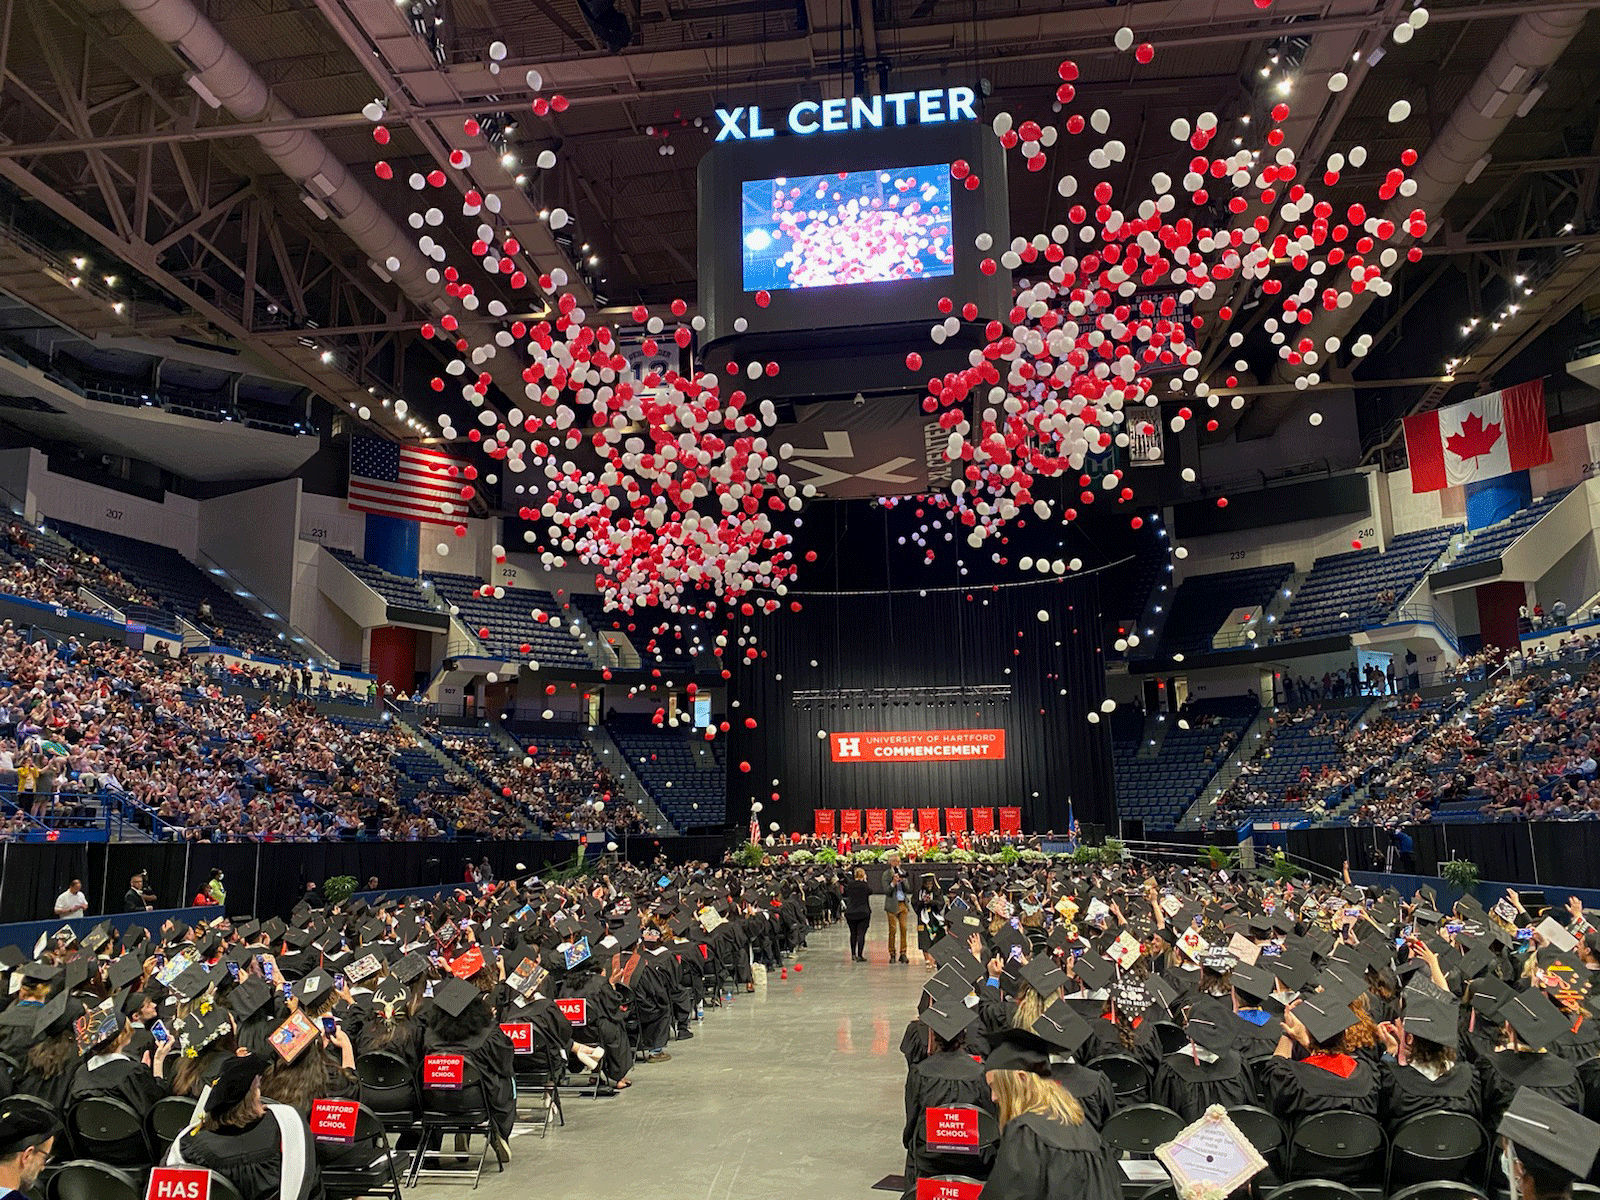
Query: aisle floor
x,y
795,1091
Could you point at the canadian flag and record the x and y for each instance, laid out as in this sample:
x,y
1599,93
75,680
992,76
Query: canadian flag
x,y
1479,438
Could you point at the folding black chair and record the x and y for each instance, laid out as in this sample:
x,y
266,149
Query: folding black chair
x,y
1130,1078
1343,1146
389,1089
1314,1189
108,1130
1138,1129
539,1074
168,1119
1264,1131
1443,1189
83,1179
1435,1146
363,1167
222,1188
463,1111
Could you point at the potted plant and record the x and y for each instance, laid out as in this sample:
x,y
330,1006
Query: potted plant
x,y
1460,873
1111,852
338,889
749,855
1283,870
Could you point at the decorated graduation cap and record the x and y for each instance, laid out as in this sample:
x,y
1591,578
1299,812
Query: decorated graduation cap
x,y
198,1030
389,995
409,966
1548,1138
314,988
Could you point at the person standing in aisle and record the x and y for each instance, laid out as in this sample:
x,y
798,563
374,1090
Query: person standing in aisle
x,y
858,913
896,905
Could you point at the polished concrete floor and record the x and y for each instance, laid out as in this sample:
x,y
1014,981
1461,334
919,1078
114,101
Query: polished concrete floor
x,y
794,1091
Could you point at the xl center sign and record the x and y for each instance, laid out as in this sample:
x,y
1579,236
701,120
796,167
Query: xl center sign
x,y
925,745
931,106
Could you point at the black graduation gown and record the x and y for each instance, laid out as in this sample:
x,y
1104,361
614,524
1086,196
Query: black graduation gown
x,y
1188,1087
250,1159
53,1089
604,1012
1500,1075
16,1028
1580,1044
654,987
1302,1089
1105,1037
121,1079
942,1080
1405,1091
1042,1159
914,1042
1092,1090
490,1052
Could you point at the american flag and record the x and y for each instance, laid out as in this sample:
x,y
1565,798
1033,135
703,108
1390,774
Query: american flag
x,y
405,481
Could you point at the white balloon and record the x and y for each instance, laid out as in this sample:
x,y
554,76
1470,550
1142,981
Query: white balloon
x,y
1108,705
364,413
1316,418
442,548
497,51
546,160
1123,39
535,80
1403,33
558,218
1043,614
1399,111
1338,81
1418,18
373,110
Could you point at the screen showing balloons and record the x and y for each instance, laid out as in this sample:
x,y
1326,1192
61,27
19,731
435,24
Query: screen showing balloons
x,y
879,226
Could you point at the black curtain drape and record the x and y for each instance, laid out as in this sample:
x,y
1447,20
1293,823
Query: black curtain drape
x,y
963,638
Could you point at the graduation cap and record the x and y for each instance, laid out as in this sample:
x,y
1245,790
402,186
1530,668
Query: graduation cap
x,y
56,1015
11,957
1536,1021
1043,976
1130,997
1432,1018
1094,970
249,997
1325,1018
124,971
98,938
949,1022
451,996
1209,1034
1018,1050
1546,1135
1293,971
390,994
409,967
313,989
1218,960
38,972
192,983
75,973
1063,1027
1255,982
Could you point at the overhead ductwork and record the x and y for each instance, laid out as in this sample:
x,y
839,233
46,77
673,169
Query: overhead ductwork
x,y
1532,46
300,154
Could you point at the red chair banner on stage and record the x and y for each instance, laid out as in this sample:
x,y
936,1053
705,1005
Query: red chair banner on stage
x,y
850,822
877,821
955,820
904,818
1010,820
983,820
928,820
824,818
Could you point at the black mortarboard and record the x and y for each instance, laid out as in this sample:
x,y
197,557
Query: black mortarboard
x,y
191,983
198,1030
125,970
314,988
451,996
38,972
1095,971
409,967
1536,1021
1538,1125
53,1016
1255,982
23,1125
248,998
1063,1027
1043,976
1017,1050
390,993
948,1022
233,1081
1432,1018
1325,1018
1208,1034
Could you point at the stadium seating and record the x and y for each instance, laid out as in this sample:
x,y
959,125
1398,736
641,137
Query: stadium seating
x,y
1159,789
1493,540
510,621
1203,602
686,777
398,590
178,585
1281,772
1349,591
651,631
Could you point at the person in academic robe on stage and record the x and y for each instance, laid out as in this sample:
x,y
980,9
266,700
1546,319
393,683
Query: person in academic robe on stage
x,y
1426,1073
1047,1147
264,1150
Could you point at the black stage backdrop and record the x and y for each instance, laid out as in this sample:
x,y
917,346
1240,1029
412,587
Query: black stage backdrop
x,y
982,637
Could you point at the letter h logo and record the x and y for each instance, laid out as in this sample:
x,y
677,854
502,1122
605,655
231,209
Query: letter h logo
x,y
849,747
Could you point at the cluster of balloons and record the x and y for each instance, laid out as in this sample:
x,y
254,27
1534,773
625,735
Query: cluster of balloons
x,y
690,506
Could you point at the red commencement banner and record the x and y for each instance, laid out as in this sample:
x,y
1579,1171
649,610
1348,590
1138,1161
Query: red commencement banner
x,y
903,819
178,1183
955,820
850,822
952,1129
1010,820
927,745
983,820
928,820
876,821
824,818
